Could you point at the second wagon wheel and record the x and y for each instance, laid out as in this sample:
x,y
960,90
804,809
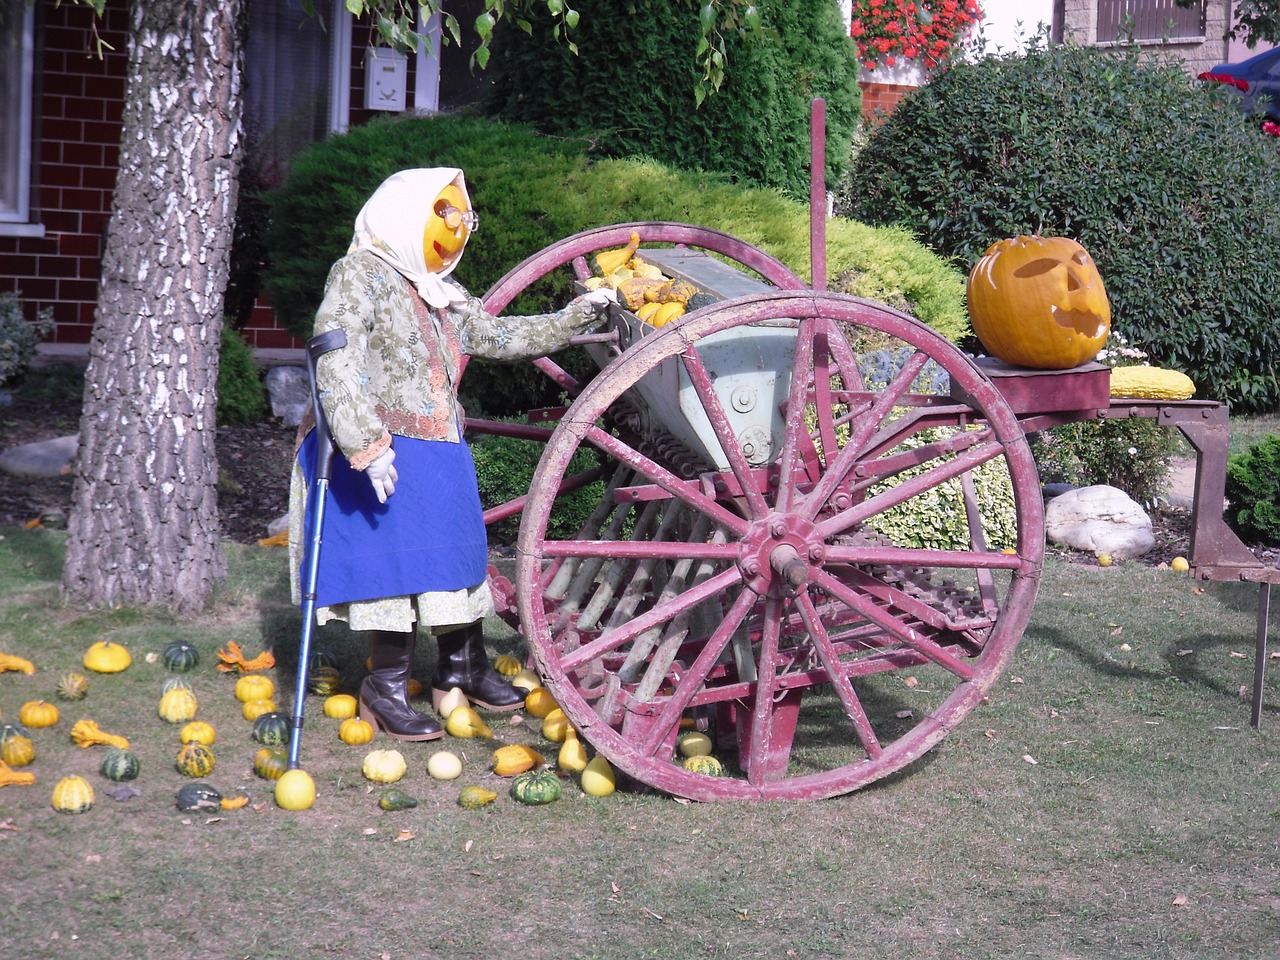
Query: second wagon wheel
x,y
833,586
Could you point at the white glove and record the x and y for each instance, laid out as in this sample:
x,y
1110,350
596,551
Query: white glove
x,y
382,474
600,299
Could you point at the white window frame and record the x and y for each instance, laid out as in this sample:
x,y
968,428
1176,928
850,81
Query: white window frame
x,y
340,77
15,219
426,73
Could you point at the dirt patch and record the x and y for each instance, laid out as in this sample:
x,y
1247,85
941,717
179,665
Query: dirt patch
x,y
253,459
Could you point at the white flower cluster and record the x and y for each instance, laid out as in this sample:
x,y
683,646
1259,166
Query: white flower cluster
x,y
1119,353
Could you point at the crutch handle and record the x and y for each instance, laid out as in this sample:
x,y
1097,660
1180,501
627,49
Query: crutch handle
x,y
317,347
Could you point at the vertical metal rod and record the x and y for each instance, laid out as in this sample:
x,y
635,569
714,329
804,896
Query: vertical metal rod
x,y
1260,652
818,193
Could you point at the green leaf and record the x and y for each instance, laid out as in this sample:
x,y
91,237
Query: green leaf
x,y
482,57
451,25
484,26
571,18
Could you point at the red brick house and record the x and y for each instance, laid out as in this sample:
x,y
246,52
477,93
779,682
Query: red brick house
x,y
60,110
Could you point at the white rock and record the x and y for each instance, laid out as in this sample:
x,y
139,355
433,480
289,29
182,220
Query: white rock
x,y
46,458
1099,519
289,392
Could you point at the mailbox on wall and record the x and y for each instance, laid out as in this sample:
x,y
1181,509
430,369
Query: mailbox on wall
x,y
386,75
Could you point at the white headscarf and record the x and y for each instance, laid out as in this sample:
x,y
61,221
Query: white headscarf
x,y
392,222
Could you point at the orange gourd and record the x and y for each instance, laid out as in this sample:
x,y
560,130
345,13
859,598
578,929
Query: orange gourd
x,y
1039,302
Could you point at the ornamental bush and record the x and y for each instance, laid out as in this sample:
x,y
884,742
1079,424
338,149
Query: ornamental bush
x,y
630,89
1253,489
1174,193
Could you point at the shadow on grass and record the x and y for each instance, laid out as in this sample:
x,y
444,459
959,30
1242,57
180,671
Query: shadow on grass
x,y
1182,661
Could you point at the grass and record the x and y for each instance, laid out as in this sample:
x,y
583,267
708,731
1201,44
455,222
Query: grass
x,y
1146,827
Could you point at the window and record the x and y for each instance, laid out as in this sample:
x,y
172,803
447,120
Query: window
x,y
296,84
1149,20
16,17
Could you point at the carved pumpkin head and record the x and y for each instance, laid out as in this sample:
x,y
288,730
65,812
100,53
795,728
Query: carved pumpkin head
x,y
448,226
1039,302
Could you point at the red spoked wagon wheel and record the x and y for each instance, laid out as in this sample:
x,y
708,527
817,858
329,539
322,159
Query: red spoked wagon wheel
x,y
761,564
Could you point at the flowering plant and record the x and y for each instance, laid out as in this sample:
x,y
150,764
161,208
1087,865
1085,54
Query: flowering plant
x,y
923,30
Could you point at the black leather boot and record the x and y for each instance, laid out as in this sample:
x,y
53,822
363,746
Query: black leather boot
x,y
462,662
384,701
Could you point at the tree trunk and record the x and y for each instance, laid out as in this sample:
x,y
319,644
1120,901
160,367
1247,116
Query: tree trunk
x,y
144,524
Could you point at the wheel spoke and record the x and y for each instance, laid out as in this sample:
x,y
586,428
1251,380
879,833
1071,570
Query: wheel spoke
x,y
839,680
761,746
900,493
894,627
723,429
696,675
664,478
802,371
613,639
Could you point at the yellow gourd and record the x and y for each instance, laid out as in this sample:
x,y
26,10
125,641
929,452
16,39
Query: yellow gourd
x,y
384,766
37,714
16,778
1151,383
507,665
694,743
177,705
516,758
598,778
340,706
10,662
667,312
473,798
256,708
295,790
198,731
86,733
555,725
526,680
539,702
355,731
254,686
107,657
573,755
465,723
608,261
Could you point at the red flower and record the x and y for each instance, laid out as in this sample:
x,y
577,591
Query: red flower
x,y
887,31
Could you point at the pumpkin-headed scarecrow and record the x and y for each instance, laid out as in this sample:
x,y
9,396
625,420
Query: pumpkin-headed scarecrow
x,y
404,540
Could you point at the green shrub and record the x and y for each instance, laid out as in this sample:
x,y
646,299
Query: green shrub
x,y
241,397
630,89
1253,489
19,336
504,471
1174,193
531,191
1131,455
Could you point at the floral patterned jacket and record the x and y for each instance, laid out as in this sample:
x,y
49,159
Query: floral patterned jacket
x,y
398,371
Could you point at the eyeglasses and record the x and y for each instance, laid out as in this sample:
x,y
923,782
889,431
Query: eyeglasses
x,y
454,218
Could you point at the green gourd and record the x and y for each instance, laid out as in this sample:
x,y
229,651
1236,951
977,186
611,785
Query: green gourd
x,y
394,799
198,796
180,656
536,787
120,765
195,759
271,729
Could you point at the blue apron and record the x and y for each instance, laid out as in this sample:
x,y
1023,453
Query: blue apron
x,y
428,536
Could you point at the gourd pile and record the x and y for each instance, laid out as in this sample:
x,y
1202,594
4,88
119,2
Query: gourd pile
x,y
533,759
643,288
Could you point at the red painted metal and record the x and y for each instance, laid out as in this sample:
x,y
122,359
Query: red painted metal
x,y
767,600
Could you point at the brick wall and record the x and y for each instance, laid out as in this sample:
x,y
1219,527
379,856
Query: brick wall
x,y
75,145
880,99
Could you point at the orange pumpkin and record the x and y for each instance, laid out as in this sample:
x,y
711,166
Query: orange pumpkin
x,y
1039,302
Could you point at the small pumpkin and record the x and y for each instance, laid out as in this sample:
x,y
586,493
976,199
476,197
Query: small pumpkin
x,y
198,731
539,702
355,732
120,765
295,791
180,656
175,683
704,764
16,749
393,799
1039,302
197,796
340,706
107,657
324,681
271,729
256,708
38,714
271,763
507,665
536,787
73,686
384,766
73,795
473,797
177,705
195,760
254,686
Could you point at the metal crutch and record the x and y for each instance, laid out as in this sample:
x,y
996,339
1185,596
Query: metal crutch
x,y
317,347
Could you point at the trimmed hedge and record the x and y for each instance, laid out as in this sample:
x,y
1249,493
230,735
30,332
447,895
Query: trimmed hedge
x,y
531,191
1171,189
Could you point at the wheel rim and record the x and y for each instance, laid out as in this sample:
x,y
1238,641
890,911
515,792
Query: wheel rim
x,y
840,653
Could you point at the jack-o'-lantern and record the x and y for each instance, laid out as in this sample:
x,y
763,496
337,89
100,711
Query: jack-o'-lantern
x,y
1039,302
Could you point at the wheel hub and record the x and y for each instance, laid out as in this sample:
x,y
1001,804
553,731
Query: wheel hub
x,y
779,554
